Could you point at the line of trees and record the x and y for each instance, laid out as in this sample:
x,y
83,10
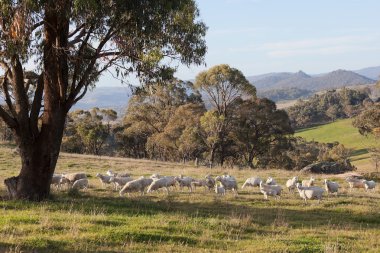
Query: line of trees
x,y
328,106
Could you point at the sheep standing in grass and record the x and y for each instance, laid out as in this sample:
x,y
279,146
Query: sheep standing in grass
x,y
156,176
56,181
368,185
210,182
270,190
80,184
308,182
271,181
163,182
199,183
313,192
291,184
355,182
229,183
64,181
105,179
331,187
120,181
252,182
185,182
220,190
72,177
137,185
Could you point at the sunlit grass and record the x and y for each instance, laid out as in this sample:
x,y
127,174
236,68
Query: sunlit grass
x,y
98,220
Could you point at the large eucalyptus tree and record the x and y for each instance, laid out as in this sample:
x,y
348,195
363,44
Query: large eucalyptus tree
x,y
52,51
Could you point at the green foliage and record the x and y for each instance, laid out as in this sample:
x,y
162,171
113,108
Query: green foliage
x,y
328,106
368,122
285,94
88,131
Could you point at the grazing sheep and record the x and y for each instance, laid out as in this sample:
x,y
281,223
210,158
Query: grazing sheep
x,y
229,183
80,184
368,185
291,183
210,182
111,173
64,181
270,190
309,182
252,182
56,181
137,185
220,190
313,192
331,187
355,182
156,176
185,182
72,177
163,182
105,179
199,183
120,181
271,181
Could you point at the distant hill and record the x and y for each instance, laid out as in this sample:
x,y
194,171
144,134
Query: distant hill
x,y
301,80
372,72
115,98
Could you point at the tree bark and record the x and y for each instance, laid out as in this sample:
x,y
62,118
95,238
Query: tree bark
x,y
38,159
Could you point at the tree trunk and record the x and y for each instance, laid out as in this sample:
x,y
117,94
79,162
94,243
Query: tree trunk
x,y
38,161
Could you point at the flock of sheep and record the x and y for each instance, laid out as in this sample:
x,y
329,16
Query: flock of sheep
x,y
220,184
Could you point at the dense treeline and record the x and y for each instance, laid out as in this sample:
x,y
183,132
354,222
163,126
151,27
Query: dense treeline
x,y
169,121
285,94
328,106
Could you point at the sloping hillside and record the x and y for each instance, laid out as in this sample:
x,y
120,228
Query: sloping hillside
x,y
343,132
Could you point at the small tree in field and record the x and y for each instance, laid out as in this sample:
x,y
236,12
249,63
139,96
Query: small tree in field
x,y
71,43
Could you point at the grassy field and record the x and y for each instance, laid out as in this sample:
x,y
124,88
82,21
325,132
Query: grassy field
x,y
343,132
98,220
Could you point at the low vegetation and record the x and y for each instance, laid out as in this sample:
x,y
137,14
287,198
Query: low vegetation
x,y
99,220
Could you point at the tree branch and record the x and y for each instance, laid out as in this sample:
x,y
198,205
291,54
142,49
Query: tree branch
x,y
7,97
36,105
11,122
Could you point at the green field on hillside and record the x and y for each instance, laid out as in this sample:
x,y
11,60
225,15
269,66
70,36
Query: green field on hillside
x,y
343,132
99,220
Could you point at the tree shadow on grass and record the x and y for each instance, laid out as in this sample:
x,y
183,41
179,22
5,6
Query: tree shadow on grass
x,y
263,214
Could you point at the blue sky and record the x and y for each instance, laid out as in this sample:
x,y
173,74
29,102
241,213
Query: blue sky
x,y
261,36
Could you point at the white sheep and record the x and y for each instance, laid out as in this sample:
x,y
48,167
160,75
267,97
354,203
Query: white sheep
x,y
308,182
185,182
137,185
368,185
291,183
199,183
331,187
156,176
80,184
252,182
163,182
355,182
313,192
105,179
111,173
210,182
271,181
120,181
56,181
229,183
65,181
72,177
220,190
270,190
